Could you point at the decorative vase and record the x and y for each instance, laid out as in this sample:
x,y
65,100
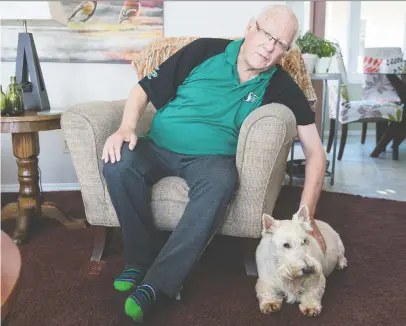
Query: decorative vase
x,y
310,61
4,107
323,65
14,98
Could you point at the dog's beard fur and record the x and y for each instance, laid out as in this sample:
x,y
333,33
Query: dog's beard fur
x,y
293,282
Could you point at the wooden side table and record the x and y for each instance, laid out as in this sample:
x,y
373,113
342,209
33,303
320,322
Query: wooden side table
x,y
24,131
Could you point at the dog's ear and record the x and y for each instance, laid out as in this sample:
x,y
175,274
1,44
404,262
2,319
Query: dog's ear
x,y
303,216
269,223
304,211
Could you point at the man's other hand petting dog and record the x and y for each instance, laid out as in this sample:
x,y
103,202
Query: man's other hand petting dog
x,y
291,264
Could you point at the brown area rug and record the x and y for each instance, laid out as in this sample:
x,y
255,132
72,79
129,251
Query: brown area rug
x,y
60,287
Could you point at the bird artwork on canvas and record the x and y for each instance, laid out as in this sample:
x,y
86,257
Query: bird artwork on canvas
x,y
86,9
129,11
83,11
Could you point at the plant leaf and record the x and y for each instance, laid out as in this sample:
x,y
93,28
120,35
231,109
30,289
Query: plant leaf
x,y
344,92
391,117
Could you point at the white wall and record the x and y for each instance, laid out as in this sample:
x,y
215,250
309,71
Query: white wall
x,y
61,80
210,18
182,18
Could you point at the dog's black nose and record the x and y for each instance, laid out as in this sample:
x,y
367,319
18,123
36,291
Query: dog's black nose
x,y
307,270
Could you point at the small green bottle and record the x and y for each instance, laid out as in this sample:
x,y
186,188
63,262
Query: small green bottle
x,y
4,107
14,99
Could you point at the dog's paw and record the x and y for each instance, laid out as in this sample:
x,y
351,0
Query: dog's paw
x,y
342,263
310,310
268,306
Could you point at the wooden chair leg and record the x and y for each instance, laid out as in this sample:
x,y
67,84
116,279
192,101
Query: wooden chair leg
x,y
402,138
397,140
364,132
331,135
381,127
249,248
344,132
395,145
101,239
386,138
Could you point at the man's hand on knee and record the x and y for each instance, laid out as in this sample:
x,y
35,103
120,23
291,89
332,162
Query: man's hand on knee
x,y
112,147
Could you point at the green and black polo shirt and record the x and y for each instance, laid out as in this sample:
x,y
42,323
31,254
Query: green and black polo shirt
x,y
201,103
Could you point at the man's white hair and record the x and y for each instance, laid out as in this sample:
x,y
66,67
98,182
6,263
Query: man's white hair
x,y
270,8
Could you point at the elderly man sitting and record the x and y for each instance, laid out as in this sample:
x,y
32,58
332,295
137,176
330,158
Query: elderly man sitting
x,y
202,95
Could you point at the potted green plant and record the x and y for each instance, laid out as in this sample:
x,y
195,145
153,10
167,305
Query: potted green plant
x,y
308,45
326,51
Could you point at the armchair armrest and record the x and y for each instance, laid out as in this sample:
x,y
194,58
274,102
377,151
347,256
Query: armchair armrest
x,y
86,127
263,147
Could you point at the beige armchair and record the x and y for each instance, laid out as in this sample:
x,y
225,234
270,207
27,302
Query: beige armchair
x,y
263,147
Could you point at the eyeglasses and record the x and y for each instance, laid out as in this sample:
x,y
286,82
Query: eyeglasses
x,y
284,47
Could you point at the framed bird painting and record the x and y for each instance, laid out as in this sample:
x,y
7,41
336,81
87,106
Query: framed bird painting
x,y
92,32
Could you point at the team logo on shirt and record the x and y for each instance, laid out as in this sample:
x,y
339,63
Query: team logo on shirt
x,y
153,73
250,97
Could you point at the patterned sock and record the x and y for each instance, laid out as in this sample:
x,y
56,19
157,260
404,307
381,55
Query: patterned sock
x,y
141,301
127,280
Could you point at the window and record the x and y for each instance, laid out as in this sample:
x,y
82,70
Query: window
x,y
306,18
302,11
384,23
337,18
356,25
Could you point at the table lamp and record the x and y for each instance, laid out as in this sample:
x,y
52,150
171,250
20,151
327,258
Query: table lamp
x,y
28,69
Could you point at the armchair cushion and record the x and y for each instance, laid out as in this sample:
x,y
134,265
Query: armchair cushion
x,y
263,148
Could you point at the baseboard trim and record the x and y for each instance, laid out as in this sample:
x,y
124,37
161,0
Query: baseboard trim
x,y
45,187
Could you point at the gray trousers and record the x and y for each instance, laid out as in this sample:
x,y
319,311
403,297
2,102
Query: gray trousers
x,y
212,181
